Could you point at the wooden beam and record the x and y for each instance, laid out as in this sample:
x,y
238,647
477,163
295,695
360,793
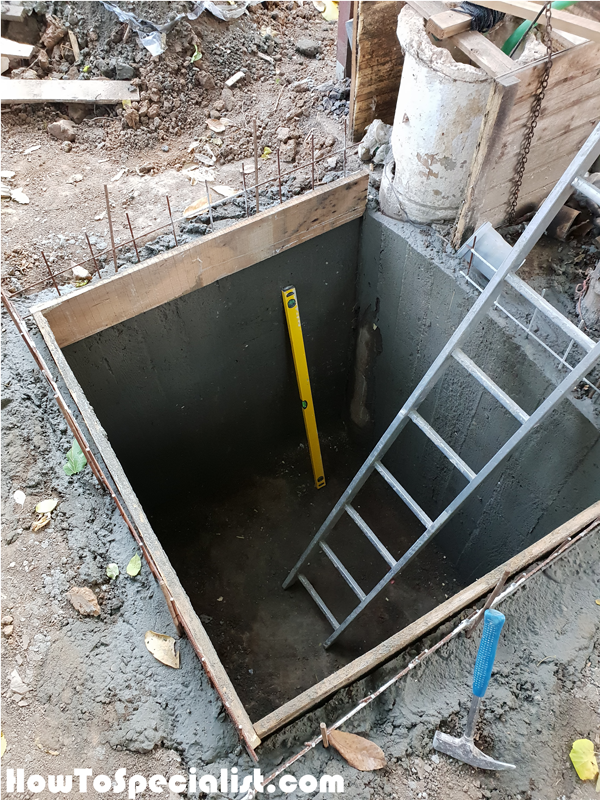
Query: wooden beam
x,y
205,260
210,660
562,20
473,44
14,49
447,24
454,605
491,135
51,91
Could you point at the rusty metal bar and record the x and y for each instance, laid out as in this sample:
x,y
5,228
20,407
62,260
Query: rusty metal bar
x,y
110,225
132,237
172,223
255,165
245,190
210,214
279,176
50,273
93,256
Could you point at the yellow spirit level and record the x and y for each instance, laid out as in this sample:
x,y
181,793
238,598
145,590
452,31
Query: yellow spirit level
x,y
292,316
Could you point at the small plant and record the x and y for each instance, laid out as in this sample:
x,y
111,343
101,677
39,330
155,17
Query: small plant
x,y
76,461
197,55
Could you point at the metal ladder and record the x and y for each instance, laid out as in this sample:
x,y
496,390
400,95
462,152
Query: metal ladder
x,y
452,352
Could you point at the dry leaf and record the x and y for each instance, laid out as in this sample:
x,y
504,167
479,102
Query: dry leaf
x,y
40,522
46,506
196,207
360,753
193,146
215,125
226,121
84,600
583,759
162,648
226,191
2,744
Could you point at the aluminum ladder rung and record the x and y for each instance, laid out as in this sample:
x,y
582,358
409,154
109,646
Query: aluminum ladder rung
x,y
442,445
586,188
343,571
553,314
377,544
402,493
318,600
493,388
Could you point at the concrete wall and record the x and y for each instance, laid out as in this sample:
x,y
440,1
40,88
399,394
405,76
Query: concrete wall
x,y
408,284
205,384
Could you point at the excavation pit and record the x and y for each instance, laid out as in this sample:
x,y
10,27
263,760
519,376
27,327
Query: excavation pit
x,y
191,375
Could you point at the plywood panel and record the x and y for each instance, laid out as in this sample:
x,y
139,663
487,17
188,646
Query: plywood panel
x,y
189,267
376,65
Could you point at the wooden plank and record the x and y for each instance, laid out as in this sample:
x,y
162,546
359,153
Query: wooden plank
x,y
386,650
377,65
189,267
15,49
447,24
51,91
570,110
562,20
472,43
495,119
210,660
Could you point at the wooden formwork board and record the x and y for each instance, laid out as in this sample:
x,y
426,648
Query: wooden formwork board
x,y
184,269
570,110
376,65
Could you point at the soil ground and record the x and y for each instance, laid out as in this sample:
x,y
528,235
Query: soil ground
x,y
94,697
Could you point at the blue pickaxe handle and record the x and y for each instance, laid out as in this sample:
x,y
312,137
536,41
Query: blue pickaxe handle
x,y
486,655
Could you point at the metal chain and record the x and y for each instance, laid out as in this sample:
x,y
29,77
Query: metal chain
x,y
536,107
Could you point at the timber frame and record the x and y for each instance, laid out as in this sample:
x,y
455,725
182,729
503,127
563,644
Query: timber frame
x,y
570,109
185,269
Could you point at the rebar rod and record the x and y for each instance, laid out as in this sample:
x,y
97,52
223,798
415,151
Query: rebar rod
x,y
132,237
110,225
52,278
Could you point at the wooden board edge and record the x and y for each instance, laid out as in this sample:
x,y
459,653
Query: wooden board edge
x,y
383,652
358,181
500,102
210,661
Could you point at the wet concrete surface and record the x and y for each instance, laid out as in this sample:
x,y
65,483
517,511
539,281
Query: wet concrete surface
x,y
233,544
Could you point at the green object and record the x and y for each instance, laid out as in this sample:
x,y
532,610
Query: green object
x,y
134,566
112,571
515,39
76,461
197,54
